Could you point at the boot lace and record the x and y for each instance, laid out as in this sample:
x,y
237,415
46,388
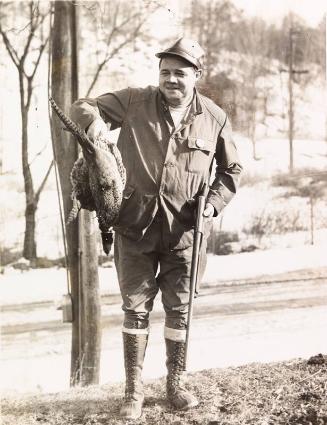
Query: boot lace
x,y
177,367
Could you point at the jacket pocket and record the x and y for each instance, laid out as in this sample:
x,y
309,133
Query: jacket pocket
x,y
136,210
201,144
201,152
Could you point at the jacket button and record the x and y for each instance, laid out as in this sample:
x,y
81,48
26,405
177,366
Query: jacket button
x,y
200,143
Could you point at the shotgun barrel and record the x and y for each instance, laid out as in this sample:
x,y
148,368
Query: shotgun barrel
x,y
197,241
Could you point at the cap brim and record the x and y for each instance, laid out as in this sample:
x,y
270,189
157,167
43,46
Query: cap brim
x,y
193,61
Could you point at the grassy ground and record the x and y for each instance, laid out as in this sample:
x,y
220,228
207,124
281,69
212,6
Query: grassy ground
x,y
293,392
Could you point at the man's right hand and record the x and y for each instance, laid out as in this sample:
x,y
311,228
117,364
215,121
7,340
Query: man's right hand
x,y
97,129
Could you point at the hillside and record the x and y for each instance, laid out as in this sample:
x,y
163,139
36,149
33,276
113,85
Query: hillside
x,y
292,392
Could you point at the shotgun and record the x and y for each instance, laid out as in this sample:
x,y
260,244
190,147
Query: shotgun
x,y
197,241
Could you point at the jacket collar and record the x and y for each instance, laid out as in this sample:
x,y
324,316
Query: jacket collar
x,y
196,107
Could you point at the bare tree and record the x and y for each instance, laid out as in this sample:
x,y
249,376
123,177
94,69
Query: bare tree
x,y
26,55
228,37
113,27
255,62
210,23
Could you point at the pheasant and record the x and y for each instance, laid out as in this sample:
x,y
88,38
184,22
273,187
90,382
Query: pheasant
x,y
98,179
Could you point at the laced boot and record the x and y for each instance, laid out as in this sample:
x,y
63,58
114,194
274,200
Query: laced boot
x,y
134,351
178,396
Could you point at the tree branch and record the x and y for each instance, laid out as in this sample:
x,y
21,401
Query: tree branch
x,y
10,49
38,193
114,27
117,28
96,76
30,36
29,92
115,51
36,20
38,154
36,64
128,39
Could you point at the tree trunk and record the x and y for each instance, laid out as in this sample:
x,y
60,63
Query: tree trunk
x,y
29,250
312,228
36,20
253,136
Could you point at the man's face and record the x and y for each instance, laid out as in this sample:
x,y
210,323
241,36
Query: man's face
x,y
177,80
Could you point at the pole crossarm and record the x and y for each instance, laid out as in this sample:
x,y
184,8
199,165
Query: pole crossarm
x,y
294,71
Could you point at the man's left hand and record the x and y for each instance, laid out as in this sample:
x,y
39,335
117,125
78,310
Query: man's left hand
x,y
209,210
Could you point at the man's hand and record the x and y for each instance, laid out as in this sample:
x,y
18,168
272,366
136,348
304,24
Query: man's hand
x,y
97,129
209,210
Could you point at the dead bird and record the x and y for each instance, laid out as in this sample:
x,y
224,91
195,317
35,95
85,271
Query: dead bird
x,y
98,179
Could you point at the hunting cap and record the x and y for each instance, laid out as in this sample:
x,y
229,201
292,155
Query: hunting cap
x,y
187,49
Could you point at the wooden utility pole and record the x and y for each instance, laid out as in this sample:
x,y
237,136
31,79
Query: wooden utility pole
x,y
312,221
89,325
290,92
90,309
291,72
66,151
81,236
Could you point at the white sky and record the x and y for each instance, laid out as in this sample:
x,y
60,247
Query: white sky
x,y
168,21
312,11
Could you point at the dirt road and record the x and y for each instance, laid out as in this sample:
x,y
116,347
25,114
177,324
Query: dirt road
x,y
233,325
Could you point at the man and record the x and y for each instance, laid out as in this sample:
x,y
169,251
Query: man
x,y
170,137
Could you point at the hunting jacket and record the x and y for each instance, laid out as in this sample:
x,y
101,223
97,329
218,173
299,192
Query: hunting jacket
x,y
166,168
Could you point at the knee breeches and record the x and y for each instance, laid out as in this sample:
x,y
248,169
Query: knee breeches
x,y
145,267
